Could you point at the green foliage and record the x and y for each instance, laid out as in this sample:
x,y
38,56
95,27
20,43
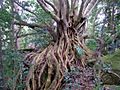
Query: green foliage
x,y
108,39
12,64
113,87
43,39
40,38
5,17
113,59
98,87
92,44
43,16
38,15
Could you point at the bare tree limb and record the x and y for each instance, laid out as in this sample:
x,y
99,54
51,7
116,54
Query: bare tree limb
x,y
31,25
56,3
80,25
85,4
1,3
90,7
80,13
72,11
72,5
53,6
52,33
55,17
63,12
67,9
62,9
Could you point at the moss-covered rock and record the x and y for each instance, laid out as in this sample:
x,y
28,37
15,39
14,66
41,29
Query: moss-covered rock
x,y
114,61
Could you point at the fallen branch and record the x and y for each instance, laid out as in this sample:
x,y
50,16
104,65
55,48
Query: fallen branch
x,y
31,25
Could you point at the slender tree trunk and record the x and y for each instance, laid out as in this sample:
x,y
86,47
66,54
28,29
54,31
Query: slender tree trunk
x,y
13,41
2,81
13,28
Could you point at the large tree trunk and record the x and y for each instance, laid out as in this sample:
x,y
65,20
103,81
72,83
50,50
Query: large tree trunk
x,y
49,66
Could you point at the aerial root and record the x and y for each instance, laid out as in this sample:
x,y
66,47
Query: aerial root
x,y
48,67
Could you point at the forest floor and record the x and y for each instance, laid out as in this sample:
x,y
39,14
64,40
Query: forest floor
x,y
114,61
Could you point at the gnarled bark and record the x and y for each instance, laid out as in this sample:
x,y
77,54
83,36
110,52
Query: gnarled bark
x,y
48,67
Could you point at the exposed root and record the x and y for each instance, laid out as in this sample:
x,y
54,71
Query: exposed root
x,y
48,67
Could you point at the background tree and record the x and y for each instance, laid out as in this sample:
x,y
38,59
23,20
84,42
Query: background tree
x,y
2,79
105,25
17,34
